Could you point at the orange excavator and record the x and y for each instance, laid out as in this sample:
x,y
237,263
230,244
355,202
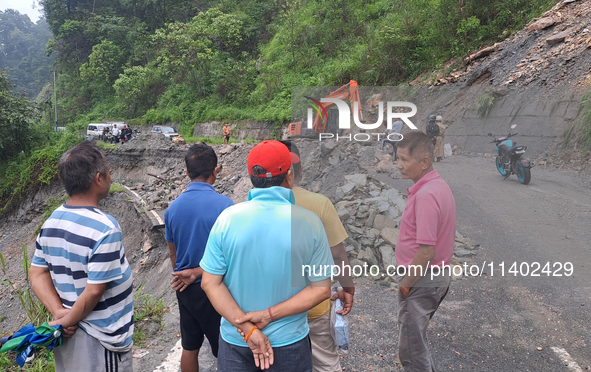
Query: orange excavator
x,y
321,120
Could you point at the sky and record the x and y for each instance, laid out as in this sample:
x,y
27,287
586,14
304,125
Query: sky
x,y
23,7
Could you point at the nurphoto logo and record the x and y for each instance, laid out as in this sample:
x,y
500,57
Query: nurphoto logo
x,y
321,120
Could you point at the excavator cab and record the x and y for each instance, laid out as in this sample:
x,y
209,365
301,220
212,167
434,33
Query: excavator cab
x,y
299,128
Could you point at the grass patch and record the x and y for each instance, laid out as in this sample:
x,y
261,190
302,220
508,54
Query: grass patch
x,y
585,140
43,362
36,313
147,309
106,146
115,187
485,104
216,141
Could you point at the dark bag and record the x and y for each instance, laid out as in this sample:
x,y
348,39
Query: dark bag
x,y
432,129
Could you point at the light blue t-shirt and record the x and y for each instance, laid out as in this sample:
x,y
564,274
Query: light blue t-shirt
x,y
260,246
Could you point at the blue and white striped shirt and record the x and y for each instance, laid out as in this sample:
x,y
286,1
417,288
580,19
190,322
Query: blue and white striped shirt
x,y
83,245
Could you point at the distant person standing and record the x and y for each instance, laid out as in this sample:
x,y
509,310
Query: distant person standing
x,y
122,134
432,129
226,132
116,133
426,240
188,221
80,273
105,133
439,139
396,128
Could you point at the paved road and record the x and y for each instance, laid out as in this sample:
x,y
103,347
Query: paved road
x,y
499,323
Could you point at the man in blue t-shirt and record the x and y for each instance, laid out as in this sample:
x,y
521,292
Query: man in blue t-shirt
x,y
267,256
188,222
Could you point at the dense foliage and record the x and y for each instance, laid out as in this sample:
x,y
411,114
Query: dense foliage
x,y
17,115
187,61
29,150
22,51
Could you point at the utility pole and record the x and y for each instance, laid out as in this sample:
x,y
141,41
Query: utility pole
x,y
55,100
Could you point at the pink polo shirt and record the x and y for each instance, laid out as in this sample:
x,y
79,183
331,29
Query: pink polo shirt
x,y
430,219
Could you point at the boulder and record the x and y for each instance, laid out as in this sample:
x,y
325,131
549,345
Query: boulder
x,y
344,190
541,24
460,252
395,197
559,37
343,213
226,149
390,235
388,256
370,257
360,180
370,218
327,147
379,222
385,167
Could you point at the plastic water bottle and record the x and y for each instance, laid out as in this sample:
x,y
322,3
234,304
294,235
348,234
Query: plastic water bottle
x,y
341,328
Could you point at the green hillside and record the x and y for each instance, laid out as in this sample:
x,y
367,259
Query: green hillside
x,y
191,61
187,61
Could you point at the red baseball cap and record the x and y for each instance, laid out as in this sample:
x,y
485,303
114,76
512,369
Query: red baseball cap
x,y
273,156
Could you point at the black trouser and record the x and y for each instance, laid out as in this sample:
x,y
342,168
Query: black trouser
x,y
198,319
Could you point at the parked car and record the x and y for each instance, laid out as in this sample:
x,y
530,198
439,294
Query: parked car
x,y
96,129
167,131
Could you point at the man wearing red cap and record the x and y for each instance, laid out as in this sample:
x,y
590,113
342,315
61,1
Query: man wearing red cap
x,y
271,256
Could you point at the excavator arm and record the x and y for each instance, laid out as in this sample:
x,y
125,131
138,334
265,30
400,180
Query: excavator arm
x,y
352,94
321,120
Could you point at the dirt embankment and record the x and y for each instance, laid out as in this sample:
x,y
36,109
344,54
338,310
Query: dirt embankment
x,y
536,77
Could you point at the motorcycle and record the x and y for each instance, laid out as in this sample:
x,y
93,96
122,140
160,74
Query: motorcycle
x,y
510,158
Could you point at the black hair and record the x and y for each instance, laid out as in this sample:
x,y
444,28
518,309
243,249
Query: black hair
x,y
79,165
297,167
263,182
418,144
201,161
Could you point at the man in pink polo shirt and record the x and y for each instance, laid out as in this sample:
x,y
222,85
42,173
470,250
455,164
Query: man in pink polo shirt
x,y
427,234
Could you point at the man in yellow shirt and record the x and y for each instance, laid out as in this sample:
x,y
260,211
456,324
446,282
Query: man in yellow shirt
x,y
325,357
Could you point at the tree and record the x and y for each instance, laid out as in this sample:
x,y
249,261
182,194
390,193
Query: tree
x,y
17,115
22,51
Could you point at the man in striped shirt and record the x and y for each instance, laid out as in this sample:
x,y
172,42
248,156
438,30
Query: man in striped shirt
x,y
80,272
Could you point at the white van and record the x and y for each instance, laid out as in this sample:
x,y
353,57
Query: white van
x,y
96,129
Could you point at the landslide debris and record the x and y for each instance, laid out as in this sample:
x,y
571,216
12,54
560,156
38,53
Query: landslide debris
x,y
551,50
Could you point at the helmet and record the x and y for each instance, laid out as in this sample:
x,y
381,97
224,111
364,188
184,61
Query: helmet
x,y
431,117
439,118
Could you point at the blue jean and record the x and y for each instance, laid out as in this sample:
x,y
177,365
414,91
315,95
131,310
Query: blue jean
x,y
296,357
394,146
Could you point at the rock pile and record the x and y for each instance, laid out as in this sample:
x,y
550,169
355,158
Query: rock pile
x,y
369,209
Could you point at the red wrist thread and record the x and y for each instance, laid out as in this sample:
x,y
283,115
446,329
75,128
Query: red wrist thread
x,y
271,315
